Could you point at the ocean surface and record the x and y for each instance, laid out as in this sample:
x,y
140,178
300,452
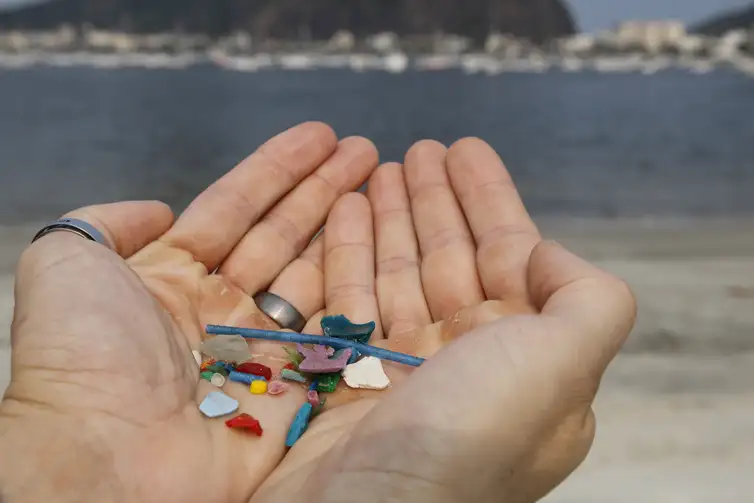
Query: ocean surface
x,y
583,144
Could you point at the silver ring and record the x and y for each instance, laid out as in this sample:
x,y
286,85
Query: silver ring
x,y
76,226
280,311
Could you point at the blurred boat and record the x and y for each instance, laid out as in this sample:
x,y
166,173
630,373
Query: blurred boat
x,y
394,62
241,63
437,62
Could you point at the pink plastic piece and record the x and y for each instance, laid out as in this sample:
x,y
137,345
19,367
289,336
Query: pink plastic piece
x,y
313,398
277,388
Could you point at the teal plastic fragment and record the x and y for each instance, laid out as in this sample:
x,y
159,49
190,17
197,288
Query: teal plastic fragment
x,y
341,327
299,425
292,375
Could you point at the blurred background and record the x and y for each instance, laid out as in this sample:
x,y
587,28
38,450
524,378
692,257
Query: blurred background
x,y
628,126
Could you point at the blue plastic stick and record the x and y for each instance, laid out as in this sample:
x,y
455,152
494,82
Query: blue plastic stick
x,y
271,335
299,424
244,378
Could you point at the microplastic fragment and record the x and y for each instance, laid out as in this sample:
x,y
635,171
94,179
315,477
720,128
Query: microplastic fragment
x,y
258,387
233,348
299,424
292,375
366,374
244,378
197,357
218,404
218,380
277,388
245,422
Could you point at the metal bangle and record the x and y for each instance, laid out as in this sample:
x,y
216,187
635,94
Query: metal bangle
x,y
280,311
76,226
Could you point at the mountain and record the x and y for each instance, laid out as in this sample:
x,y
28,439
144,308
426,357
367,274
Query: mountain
x,y
538,20
733,20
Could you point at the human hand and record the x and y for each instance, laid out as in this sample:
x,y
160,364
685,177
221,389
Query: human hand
x,y
102,405
519,332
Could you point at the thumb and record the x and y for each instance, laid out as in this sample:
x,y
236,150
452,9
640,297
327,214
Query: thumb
x,y
127,226
63,278
594,310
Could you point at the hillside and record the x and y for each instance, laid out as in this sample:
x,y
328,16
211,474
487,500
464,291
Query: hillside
x,y
738,19
537,20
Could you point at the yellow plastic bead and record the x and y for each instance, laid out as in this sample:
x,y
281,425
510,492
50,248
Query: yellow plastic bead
x,y
258,387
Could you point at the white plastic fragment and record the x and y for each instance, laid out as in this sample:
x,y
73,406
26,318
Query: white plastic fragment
x,y
367,373
218,404
197,357
217,380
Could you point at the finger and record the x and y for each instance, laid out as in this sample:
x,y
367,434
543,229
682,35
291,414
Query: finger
x,y
127,226
349,262
314,325
596,309
287,228
217,220
399,286
449,273
504,233
302,282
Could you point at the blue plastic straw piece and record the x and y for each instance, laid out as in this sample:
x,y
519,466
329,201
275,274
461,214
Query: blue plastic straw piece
x,y
244,378
271,335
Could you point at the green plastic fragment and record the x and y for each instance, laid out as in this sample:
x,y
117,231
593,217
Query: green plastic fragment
x,y
218,368
294,356
207,376
328,383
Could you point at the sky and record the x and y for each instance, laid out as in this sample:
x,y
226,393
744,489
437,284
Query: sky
x,y
595,15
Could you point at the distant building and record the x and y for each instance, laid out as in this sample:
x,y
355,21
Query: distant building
x,y
730,44
651,36
578,44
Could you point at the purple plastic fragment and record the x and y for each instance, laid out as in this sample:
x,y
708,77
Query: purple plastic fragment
x,y
316,351
318,362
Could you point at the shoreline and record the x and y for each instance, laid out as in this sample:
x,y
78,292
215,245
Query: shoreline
x,y
396,62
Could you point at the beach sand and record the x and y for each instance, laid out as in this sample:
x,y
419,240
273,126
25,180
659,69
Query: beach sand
x,y
676,410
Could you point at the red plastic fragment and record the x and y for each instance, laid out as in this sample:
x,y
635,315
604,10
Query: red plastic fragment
x,y
290,366
256,369
245,422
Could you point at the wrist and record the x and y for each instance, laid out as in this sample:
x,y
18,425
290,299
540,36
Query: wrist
x,y
46,458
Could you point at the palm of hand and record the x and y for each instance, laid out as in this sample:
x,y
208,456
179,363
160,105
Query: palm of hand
x,y
119,355
195,298
431,436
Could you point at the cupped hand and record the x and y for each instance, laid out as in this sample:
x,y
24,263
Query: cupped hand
x,y
519,332
102,405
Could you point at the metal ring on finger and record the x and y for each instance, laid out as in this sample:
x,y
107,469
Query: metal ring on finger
x,y
75,226
280,311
